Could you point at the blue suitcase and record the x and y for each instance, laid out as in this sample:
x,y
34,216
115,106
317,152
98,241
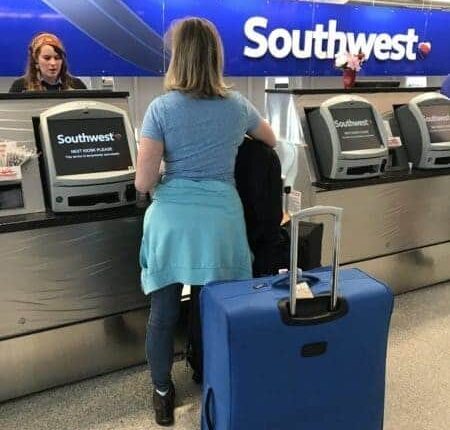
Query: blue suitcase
x,y
274,362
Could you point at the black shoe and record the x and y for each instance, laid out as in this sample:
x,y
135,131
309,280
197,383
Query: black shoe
x,y
164,406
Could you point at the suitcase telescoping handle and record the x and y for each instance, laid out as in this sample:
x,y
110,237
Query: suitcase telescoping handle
x,y
295,218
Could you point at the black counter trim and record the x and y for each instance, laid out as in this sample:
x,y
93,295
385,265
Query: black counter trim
x,y
11,224
388,177
71,94
353,90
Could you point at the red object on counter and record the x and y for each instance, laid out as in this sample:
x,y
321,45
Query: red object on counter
x,y
348,78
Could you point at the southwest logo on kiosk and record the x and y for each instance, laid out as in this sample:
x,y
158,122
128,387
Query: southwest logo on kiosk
x,y
324,43
352,123
437,118
86,138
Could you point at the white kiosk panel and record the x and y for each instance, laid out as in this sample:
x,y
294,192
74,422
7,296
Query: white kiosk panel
x,y
90,154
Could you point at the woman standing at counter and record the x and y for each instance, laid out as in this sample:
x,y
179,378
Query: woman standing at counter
x,y
194,231
46,67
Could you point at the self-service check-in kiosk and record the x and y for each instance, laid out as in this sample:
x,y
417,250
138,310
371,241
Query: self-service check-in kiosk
x,y
89,155
425,127
349,138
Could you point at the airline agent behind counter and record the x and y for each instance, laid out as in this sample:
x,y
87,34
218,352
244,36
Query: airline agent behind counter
x,y
46,67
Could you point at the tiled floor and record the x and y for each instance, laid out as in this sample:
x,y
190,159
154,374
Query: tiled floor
x,y
417,397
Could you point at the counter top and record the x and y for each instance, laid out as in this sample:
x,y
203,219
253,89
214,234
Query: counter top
x,y
71,94
355,90
10,224
394,176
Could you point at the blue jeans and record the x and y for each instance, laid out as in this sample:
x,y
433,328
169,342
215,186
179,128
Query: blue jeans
x,y
164,313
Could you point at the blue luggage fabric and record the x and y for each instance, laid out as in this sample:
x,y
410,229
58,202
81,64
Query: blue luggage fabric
x,y
255,374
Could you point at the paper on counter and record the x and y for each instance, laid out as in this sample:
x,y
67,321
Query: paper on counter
x,y
10,173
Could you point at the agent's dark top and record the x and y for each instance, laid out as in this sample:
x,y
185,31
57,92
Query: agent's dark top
x,y
18,86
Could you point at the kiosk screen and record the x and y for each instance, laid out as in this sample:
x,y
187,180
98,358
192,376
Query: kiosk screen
x,y
89,145
356,128
437,118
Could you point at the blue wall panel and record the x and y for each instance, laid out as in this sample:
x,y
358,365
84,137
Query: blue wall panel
x,y
125,37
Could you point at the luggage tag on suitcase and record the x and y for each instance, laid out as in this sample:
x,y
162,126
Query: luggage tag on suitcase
x,y
303,290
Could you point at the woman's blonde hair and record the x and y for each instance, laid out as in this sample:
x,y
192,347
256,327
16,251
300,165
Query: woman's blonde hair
x,y
196,64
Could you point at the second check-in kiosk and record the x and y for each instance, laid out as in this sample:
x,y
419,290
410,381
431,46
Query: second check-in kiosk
x,y
349,138
425,127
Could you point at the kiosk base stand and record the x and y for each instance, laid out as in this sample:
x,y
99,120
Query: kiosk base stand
x,y
102,196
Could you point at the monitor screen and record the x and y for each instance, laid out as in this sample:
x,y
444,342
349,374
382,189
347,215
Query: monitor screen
x,y
356,128
89,145
437,118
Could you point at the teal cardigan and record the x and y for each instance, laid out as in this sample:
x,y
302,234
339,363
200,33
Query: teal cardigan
x,y
194,233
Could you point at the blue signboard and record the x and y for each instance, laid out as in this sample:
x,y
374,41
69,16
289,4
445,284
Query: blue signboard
x,y
260,37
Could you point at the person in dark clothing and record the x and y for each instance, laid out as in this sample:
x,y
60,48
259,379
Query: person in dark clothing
x,y
259,184
46,67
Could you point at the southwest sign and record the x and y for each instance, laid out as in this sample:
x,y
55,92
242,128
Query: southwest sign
x,y
324,42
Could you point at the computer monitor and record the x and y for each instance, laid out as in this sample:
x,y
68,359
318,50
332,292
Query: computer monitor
x,y
349,138
425,128
89,155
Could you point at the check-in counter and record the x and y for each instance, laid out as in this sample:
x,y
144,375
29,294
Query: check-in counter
x,y
70,300
396,226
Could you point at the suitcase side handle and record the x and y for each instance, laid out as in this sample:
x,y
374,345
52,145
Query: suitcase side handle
x,y
336,213
209,404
